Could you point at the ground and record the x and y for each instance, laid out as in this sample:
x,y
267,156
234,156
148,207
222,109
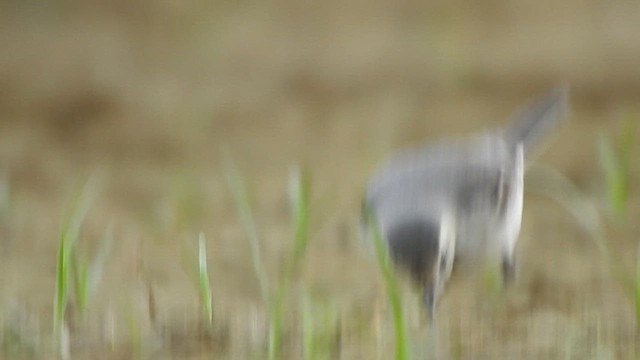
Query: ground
x,y
153,96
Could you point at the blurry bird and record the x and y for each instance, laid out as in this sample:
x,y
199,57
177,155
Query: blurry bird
x,y
459,198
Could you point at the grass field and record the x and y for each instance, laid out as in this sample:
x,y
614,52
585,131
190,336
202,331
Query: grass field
x,y
182,180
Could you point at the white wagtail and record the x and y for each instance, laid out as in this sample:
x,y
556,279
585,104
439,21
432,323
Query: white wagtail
x,y
459,198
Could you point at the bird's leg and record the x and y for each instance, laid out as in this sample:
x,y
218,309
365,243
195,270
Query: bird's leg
x,y
431,291
508,268
429,300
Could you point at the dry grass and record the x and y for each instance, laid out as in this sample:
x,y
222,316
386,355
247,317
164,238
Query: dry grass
x,y
150,92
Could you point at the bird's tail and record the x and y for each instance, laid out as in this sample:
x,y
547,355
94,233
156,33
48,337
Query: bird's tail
x,y
538,118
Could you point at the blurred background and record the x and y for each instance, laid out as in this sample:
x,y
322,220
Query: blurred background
x,y
151,95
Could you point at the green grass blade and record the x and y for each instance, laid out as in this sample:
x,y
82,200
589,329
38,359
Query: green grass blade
x,y
551,183
96,267
391,286
203,281
493,281
319,328
243,209
627,142
135,338
189,257
299,194
5,195
275,328
636,288
80,271
308,330
68,236
60,297
615,177
299,190
616,163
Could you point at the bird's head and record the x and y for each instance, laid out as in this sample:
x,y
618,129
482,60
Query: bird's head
x,y
424,247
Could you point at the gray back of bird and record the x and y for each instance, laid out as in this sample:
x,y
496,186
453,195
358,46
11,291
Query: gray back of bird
x,y
476,178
